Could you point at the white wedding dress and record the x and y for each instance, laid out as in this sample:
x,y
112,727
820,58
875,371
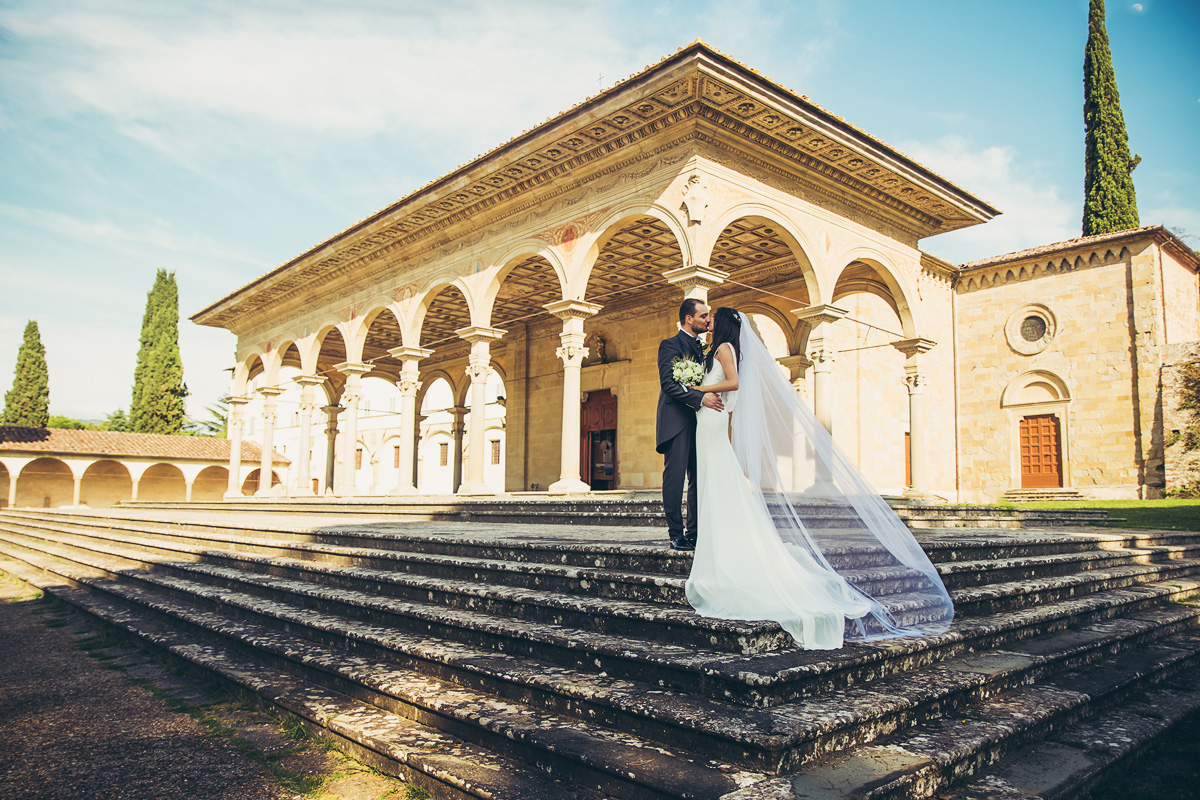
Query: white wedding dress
x,y
768,551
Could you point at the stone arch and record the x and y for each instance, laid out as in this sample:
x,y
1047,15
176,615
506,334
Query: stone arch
x,y
622,220
249,367
445,307
210,484
1035,386
162,482
787,323
250,484
104,484
6,479
381,330
782,228
45,483
429,380
867,270
517,289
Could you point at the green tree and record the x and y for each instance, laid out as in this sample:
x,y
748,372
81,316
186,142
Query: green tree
x,y
158,387
28,402
70,424
1109,201
116,421
216,421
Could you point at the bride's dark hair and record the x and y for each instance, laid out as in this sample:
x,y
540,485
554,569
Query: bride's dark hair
x,y
727,327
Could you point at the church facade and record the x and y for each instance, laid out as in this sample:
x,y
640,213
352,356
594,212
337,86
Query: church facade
x,y
527,292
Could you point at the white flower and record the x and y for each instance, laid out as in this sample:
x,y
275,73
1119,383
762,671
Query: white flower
x,y
686,371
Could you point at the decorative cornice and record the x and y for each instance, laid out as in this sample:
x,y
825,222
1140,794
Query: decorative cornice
x,y
693,87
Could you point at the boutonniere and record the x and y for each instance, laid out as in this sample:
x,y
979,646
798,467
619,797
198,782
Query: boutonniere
x,y
704,346
686,371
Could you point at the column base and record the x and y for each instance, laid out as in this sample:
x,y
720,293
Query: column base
x,y
233,496
920,497
475,488
568,486
302,491
404,490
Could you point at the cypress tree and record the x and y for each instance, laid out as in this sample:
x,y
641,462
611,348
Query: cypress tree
x,y
158,388
28,402
1109,201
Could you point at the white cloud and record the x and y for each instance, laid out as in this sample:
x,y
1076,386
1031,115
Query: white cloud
x,y
1034,210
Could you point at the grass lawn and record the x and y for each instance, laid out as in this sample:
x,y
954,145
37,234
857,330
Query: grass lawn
x,y
1171,515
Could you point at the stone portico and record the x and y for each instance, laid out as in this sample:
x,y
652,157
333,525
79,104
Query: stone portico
x,y
557,262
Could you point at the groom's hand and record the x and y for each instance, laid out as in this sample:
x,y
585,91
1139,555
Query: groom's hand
x,y
711,400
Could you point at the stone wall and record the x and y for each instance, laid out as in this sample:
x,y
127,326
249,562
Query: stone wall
x,y
1182,467
1086,300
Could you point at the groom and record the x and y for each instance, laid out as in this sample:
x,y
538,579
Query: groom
x,y
676,423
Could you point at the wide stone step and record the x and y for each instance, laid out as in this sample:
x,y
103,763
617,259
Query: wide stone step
x,y
785,737
922,759
644,509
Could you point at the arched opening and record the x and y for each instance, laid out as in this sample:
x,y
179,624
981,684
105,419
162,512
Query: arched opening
x,y
250,485
446,312
1037,403
45,483
633,255
162,482
440,439
760,253
105,484
5,482
210,484
383,334
870,398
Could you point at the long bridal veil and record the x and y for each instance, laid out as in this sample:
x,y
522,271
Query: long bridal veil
x,y
822,505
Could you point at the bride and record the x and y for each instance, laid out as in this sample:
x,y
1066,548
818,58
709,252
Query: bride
x,y
789,530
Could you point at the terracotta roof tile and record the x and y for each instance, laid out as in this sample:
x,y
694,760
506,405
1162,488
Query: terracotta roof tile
x,y
14,439
1069,244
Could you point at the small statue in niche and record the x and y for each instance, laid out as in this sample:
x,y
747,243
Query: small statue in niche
x,y
598,347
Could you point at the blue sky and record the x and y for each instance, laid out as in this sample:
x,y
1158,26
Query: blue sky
x,y
220,139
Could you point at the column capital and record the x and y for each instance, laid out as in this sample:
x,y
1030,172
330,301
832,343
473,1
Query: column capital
x,y
270,392
815,315
310,380
477,333
914,347
916,382
407,354
572,309
349,368
695,277
796,363
408,385
238,400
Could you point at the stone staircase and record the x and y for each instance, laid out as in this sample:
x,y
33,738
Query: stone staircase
x,y
530,660
635,508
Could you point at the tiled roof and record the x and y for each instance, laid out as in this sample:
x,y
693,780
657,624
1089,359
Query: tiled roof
x,y
1069,244
14,439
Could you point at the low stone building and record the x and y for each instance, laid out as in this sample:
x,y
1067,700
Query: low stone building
x,y
50,467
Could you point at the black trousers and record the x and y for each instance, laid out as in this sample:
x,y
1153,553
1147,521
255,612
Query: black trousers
x,y
680,460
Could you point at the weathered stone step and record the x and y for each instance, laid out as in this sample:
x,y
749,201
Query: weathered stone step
x,y
815,726
769,679
1081,756
424,756
612,762
921,759
643,509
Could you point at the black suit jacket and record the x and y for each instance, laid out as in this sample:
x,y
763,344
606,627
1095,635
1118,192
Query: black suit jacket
x,y
677,404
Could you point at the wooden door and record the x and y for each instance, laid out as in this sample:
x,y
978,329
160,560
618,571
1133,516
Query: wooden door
x,y
598,440
1041,452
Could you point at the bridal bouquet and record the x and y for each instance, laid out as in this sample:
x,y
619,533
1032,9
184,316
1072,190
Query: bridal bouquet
x,y
687,371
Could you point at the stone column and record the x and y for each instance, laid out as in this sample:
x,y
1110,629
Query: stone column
x,y
917,444
308,386
696,280
802,473
822,352
457,429
408,385
351,395
331,432
237,413
266,466
572,352
75,492
478,366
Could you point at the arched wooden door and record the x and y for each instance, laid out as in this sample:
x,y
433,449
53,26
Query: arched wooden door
x,y
598,440
1041,452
